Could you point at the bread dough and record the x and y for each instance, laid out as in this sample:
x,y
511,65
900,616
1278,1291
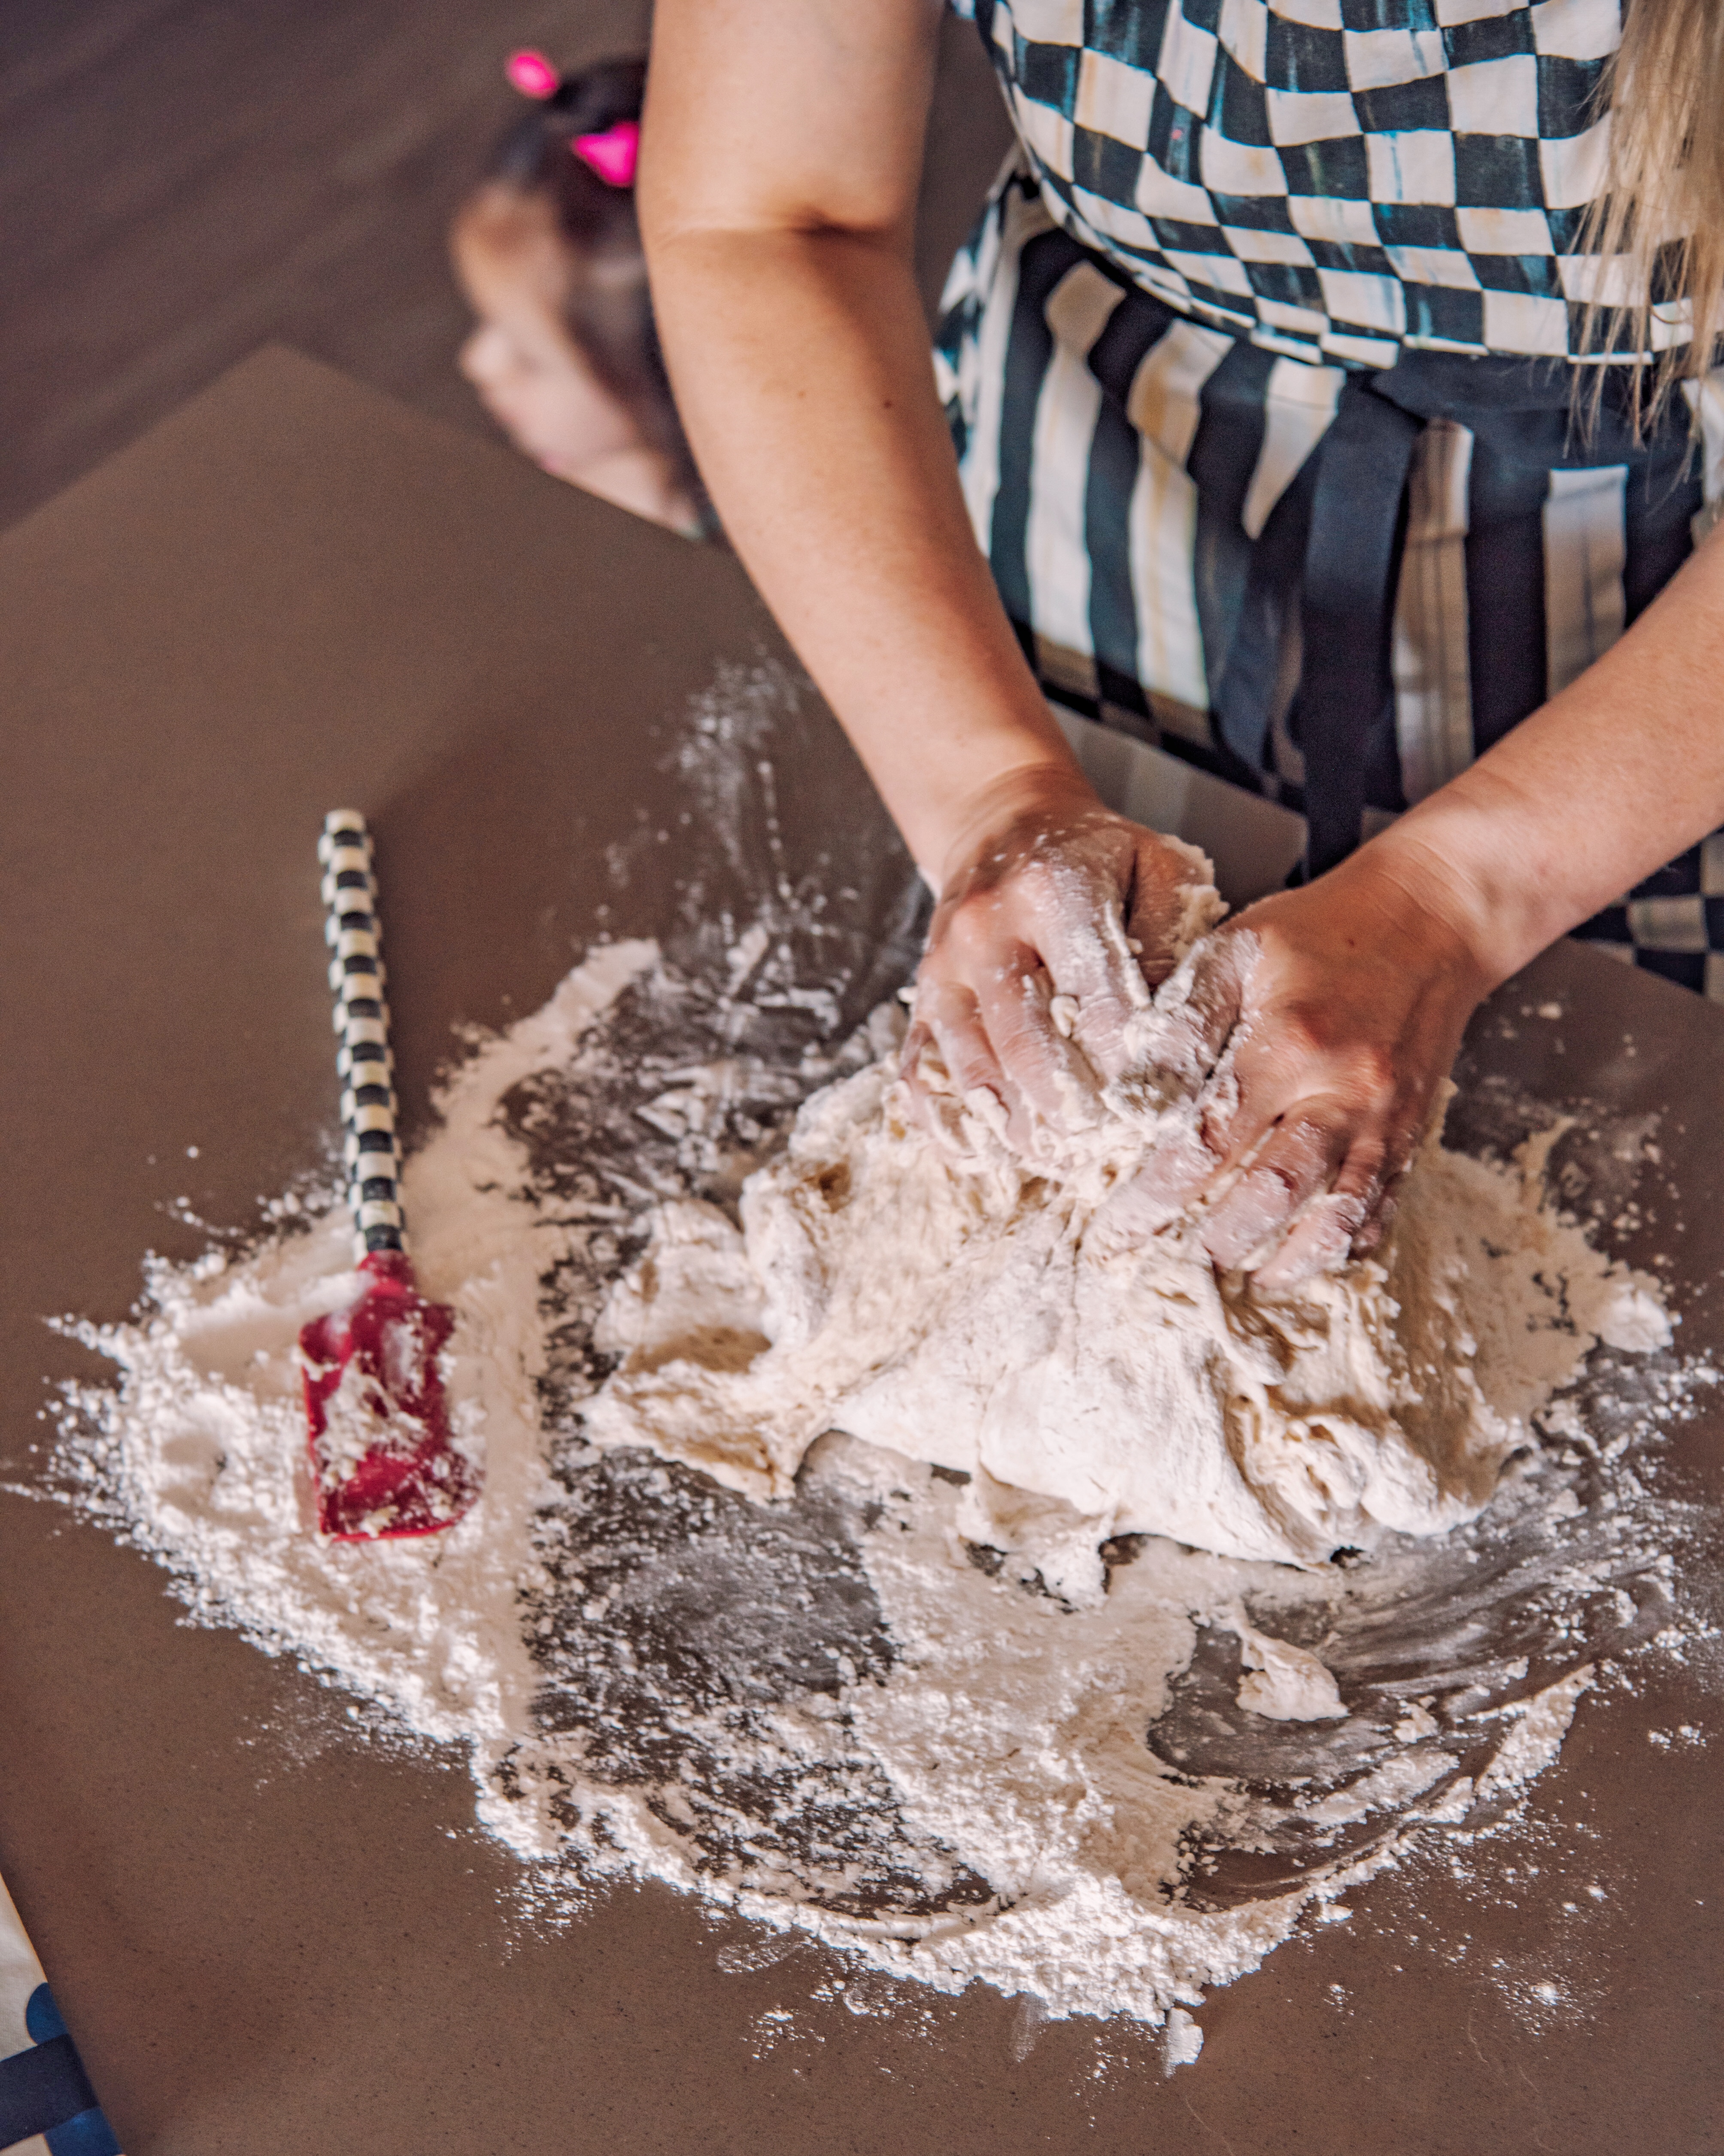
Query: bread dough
x,y
971,1309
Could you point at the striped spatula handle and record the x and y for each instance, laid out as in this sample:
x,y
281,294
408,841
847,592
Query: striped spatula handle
x,y
372,1150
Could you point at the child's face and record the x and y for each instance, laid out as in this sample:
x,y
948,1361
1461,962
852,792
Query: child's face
x,y
528,370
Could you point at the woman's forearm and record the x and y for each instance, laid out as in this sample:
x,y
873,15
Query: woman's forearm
x,y
801,364
1615,775
801,367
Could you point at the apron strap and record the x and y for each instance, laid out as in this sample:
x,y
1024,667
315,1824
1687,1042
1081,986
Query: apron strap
x,y
1245,697
1357,520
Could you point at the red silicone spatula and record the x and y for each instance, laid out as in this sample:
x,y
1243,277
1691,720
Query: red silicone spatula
x,y
383,1463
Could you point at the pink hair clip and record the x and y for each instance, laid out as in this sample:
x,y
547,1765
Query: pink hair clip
x,y
612,154
532,74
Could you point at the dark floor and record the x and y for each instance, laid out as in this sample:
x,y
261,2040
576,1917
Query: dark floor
x,y
184,180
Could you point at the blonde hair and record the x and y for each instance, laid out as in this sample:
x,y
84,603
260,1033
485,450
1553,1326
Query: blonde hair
x,y
1660,226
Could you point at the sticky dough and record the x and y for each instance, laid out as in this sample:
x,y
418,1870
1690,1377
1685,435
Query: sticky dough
x,y
971,1310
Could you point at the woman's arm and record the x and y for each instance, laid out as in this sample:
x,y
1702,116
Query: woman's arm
x,y
778,178
781,151
1617,773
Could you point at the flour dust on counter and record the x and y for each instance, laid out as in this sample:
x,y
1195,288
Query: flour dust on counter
x,y
861,1710
947,1723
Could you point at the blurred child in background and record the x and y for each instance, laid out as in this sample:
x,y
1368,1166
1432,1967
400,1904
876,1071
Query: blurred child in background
x,y
564,355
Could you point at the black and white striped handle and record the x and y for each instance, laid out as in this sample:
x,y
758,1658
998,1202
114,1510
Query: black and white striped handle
x,y
372,1150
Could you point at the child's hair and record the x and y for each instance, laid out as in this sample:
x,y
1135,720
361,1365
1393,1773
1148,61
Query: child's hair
x,y
549,156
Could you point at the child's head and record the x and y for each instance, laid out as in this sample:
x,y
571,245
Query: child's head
x,y
547,249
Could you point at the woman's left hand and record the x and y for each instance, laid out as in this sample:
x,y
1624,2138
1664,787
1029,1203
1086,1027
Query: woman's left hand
x,y
1340,1008
1055,919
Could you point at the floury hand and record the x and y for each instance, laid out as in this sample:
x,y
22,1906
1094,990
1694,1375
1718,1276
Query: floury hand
x,y
1056,918
1326,1019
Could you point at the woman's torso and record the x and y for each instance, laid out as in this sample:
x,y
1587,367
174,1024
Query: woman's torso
x,y
1239,226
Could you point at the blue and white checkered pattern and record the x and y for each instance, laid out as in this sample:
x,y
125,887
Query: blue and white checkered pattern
x,y
1335,180
1673,924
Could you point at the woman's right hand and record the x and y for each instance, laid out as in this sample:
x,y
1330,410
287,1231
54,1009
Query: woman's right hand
x,y
1056,918
1312,1041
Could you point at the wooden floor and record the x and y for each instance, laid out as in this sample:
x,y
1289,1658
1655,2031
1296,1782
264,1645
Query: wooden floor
x,y
184,180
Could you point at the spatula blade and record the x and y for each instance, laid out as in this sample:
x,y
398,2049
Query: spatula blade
x,y
384,1464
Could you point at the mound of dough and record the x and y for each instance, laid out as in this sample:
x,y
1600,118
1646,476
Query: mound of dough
x,y
960,1307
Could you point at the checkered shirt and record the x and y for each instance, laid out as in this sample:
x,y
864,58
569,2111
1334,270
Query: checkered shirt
x,y
1335,180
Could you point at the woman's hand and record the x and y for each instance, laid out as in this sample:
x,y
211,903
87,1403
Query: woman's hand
x,y
1055,919
1326,1019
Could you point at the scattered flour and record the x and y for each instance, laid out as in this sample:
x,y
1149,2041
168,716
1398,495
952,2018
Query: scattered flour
x,y
1182,2041
893,1707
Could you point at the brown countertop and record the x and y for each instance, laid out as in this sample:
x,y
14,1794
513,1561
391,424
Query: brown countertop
x,y
268,1935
